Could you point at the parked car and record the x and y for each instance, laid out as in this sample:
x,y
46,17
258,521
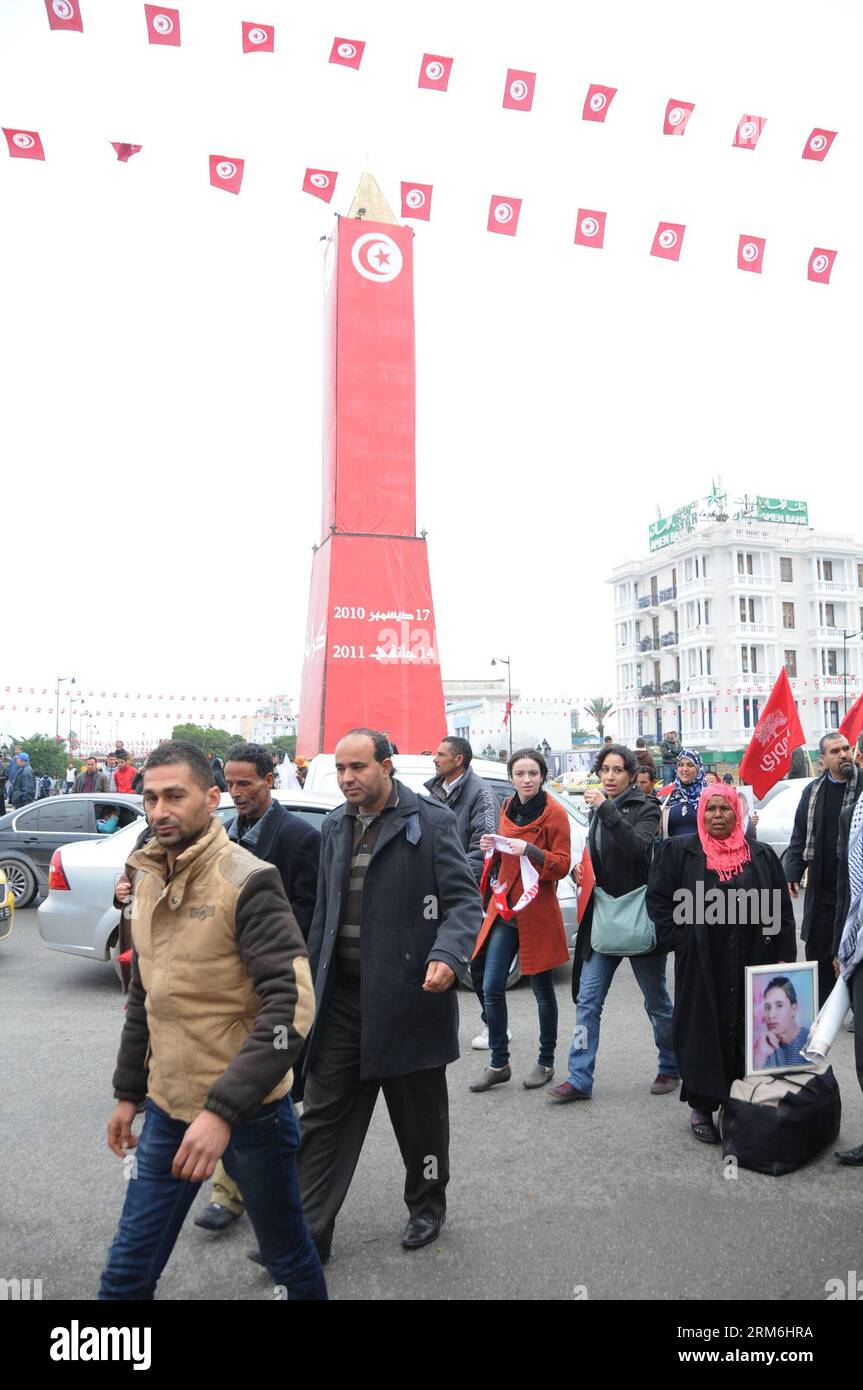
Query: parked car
x,y
776,813
29,836
7,907
78,916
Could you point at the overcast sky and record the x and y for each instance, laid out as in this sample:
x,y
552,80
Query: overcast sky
x,y
160,356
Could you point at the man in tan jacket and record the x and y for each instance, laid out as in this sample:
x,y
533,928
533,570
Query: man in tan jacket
x,y
220,1004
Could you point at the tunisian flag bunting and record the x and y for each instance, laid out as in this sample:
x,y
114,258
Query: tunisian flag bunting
x,y
258,38
818,144
668,241
321,183
597,102
416,200
226,173
124,152
750,253
434,72
163,26
24,144
503,215
347,52
677,115
821,264
518,92
64,14
777,733
748,131
590,228
852,724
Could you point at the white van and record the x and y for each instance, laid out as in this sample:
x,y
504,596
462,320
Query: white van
x,y
410,768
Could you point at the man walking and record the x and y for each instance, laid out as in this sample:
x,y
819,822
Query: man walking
x,y
475,805
91,779
219,1006
395,923
292,846
124,775
22,781
848,937
814,846
669,752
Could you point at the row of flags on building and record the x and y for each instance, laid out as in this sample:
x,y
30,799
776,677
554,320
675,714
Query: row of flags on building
x,y
435,69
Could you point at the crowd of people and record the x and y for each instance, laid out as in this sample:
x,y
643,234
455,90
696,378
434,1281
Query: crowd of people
x,y
272,964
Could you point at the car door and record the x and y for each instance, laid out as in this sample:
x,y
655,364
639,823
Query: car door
x,y
51,823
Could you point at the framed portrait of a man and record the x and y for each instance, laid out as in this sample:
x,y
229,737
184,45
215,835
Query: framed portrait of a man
x,y
781,1004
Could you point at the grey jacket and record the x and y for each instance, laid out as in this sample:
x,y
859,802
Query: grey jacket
x,y
476,811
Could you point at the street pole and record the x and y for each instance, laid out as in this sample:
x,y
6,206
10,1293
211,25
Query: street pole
x,y
508,664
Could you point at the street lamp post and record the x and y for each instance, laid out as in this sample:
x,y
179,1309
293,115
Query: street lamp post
x,y
60,679
507,664
846,637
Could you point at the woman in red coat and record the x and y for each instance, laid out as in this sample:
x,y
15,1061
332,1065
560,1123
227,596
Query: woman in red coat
x,y
522,914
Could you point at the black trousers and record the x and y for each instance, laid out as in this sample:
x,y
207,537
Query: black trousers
x,y
819,946
337,1111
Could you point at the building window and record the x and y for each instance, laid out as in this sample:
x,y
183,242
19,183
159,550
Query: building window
x,y
828,571
830,662
709,655
746,712
786,569
830,614
744,660
860,576
706,611
788,615
791,662
832,708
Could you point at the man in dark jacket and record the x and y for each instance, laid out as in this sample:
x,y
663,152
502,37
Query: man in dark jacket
x,y
475,805
669,752
395,923
845,897
91,779
813,846
292,846
22,781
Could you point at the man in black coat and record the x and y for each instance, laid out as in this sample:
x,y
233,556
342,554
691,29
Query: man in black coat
x,y
396,919
813,846
475,805
292,846
853,1157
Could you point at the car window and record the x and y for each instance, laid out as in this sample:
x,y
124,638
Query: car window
x,y
312,815
60,816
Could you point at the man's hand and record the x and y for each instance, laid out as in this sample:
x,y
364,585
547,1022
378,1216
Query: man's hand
x,y
794,889
120,1136
203,1145
123,890
439,977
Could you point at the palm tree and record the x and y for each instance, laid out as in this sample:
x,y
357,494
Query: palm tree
x,y
598,709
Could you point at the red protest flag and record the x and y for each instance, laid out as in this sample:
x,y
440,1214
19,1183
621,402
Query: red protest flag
x,y
748,130
163,26
503,215
750,253
321,183
507,712
668,240
852,724
820,265
677,115
226,173
434,72
416,200
24,144
347,52
519,89
585,888
597,102
125,152
590,228
818,144
64,14
258,38
776,735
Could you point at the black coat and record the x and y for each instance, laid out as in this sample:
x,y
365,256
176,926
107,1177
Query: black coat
x,y
629,823
696,1034
293,847
843,882
793,862
420,903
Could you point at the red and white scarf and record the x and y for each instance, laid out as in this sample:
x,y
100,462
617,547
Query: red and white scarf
x,y
500,889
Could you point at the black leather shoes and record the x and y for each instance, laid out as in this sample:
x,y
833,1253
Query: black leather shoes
x,y
217,1218
421,1230
853,1157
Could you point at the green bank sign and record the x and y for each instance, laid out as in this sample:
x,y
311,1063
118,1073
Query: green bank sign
x,y
782,509
669,529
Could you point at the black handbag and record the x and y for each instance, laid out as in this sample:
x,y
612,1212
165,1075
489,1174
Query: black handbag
x,y
776,1139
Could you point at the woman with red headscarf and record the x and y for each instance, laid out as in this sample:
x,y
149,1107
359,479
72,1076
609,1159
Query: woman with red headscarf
x,y
715,931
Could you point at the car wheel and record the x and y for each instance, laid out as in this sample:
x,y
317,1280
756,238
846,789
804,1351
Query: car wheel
x,y
22,881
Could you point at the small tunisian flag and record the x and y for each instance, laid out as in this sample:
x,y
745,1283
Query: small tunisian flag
x,y
585,888
24,144
434,72
852,724
321,183
677,115
748,130
590,228
597,102
777,733
163,26
668,241
750,253
258,38
125,152
818,144
503,215
416,200
518,92
347,52
821,264
226,173
64,14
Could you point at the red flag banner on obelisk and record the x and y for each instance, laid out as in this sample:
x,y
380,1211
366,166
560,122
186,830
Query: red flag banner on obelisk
x,y
777,733
852,724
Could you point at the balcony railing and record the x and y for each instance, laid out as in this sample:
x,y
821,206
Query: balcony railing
x,y
648,692
766,629
668,595
648,644
699,683
644,601
751,581
829,634
671,687
754,678
832,586
668,639
693,634
837,680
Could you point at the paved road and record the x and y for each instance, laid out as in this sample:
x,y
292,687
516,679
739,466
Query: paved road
x,y
613,1195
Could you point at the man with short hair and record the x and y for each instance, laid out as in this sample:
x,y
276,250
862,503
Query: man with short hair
x,y
219,1007
669,752
91,779
272,833
396,920
124,775
475,805
22,781
814,846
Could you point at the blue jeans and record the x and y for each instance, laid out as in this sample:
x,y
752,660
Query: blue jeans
x,y
596,976
489,974
261,1157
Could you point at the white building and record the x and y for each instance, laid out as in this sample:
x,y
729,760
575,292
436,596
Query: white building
x,y
704,626
265,725
475,711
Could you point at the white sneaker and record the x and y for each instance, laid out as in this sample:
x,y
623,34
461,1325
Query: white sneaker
x,y
481,1042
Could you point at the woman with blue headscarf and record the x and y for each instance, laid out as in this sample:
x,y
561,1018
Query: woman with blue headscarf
x,y
681,807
